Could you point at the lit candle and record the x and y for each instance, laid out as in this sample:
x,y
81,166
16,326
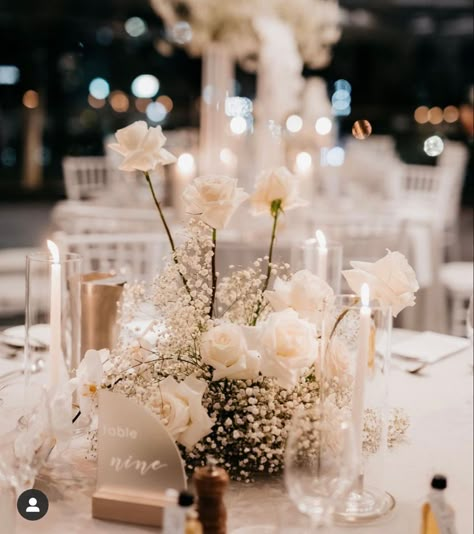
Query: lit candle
x,y
322,255
185,171
55,351
361,366
304,171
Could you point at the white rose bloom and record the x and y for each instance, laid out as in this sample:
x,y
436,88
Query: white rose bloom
x,y
288,347
181,410
141,147
305,293
276,184
214,199
392,280
224,348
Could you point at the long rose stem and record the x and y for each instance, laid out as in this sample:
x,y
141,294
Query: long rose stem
x,y
275,210
165,224
213,269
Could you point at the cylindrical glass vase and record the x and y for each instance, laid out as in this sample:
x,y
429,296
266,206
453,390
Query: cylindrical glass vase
x,y
52,316
326,263
355,367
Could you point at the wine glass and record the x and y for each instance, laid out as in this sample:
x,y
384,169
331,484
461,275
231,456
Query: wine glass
x,y
320,462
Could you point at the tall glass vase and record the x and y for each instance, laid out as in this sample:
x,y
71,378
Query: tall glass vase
x,y
53,316
357,353
217,85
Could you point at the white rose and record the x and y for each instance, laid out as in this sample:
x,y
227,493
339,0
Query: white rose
x,y
287,346
142,147
179,405
214,199
305,293
276,184
224,348
391,280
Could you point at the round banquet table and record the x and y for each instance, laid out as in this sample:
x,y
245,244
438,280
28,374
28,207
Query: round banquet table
x,y
439,402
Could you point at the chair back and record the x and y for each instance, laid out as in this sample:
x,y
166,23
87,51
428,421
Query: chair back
x,y
85,177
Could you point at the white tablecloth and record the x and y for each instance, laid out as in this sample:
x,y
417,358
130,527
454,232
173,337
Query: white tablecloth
x,y
440,439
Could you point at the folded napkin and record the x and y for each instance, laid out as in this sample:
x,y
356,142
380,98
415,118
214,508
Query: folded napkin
x,y
429,347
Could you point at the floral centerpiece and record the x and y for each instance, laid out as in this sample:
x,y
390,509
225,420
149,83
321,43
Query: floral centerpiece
x,y
227,360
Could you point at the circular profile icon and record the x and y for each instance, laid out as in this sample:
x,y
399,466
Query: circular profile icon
x,y
32,504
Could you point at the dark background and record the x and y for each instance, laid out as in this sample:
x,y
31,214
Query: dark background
x,y
396,54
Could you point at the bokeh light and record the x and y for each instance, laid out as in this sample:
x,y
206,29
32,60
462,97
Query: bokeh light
x,y
228,157
142,103
145,86
335,156
361,129
303,161
451,114
435,115
422,114
238,125
294,123
99,88
156,112
166,101
433,146
343,85
181,33
119,101
135,26
96,103
323,125
186,163
237,106
31,99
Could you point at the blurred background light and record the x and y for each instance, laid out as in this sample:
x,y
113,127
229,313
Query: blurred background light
x,y
9,74
31,99
186,163
361,129
294,123
142,103
96,103
156,112
303,161
335,156
421,114
99,88
323,125
166,101
145,86
435,115
238,125
451,114
135,26
237,106
181,33
119,101
433,146
343,85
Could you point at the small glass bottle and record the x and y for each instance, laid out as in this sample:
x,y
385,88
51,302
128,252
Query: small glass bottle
x,y
174,516
437,514
193,525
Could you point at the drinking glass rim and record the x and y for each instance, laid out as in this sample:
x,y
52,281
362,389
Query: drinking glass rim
x,y
373,304
45,257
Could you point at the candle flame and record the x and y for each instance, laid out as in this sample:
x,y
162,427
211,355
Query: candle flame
x,y
321,239
365,294
53,249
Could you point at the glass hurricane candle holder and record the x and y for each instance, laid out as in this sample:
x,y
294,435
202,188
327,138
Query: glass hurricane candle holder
x,y
356,341
325,262
52,316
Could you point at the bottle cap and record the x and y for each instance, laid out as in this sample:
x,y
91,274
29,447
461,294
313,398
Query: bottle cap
x,y
185,499
439,482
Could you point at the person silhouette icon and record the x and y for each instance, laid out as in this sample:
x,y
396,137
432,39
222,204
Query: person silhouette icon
x,y
32,508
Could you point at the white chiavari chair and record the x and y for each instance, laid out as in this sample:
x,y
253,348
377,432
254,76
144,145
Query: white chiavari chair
x,y
135,256
85,177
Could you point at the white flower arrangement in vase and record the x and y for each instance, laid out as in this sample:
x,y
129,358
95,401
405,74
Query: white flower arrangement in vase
x,y
231,359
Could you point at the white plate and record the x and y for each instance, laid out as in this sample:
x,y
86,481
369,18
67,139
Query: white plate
x,y
15,336
429,347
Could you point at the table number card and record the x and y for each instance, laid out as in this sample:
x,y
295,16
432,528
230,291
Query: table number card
x,y
137,461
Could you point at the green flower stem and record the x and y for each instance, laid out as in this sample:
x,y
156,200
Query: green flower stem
x,y
213,269
275,211
165,224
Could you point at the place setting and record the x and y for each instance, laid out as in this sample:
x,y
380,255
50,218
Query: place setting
x,y
258,325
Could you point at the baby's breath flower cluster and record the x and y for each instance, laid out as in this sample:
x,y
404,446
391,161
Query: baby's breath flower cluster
x,y
224,363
